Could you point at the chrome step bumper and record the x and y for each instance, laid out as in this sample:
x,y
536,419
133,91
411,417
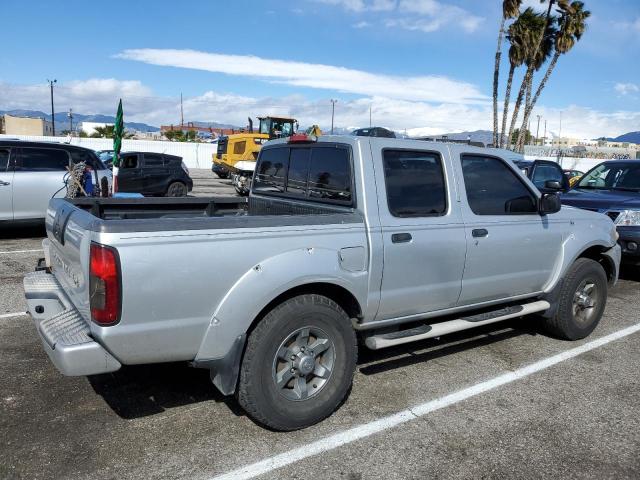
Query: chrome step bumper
x,y
64,334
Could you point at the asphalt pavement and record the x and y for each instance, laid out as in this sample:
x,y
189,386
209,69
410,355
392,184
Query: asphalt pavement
x,y
405,417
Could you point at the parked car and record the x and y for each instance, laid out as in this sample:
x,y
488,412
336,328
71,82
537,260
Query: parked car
x,y
153,174
613,188
106,156
389,240
374,132
546,175
573,176
31,173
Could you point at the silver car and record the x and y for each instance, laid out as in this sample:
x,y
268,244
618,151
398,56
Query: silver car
x,y
32,173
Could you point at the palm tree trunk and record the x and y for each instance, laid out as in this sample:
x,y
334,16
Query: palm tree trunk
x,y
507,97
496,75
522,133
516,108
543,83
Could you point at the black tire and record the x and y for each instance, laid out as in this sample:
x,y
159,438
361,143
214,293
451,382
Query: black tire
x,y
274,406
574,319
177,189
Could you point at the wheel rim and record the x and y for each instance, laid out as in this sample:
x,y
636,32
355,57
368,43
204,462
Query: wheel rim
x,y
303,363
176,190
585,302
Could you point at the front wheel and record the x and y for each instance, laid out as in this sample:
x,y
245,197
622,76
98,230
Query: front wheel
x,y
299,363
583,297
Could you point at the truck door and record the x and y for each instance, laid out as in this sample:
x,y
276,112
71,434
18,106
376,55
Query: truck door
x,y
38,176
6,184
512,249
423,234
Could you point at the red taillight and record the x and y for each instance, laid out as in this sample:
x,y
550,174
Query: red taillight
x,y
302,138
104,285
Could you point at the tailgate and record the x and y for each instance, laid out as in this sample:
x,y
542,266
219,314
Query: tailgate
x,y
68,251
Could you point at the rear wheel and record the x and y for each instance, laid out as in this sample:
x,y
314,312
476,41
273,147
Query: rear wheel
x,y
583,297
299,363
177,189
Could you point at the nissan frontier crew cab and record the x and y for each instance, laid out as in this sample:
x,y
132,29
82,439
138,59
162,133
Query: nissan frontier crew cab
x,y
342,238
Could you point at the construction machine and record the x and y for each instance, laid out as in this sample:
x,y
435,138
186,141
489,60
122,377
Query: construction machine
x,y
237,153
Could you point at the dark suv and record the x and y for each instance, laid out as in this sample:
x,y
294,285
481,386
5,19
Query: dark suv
x,y
613,188
153,174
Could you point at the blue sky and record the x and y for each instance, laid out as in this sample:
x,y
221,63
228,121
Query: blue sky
x,y
424,65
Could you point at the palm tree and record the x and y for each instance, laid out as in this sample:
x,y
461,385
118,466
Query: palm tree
x,y
573,23
538,46
510,9
533,25
515,35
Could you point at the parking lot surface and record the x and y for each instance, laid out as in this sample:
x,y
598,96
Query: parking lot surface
x,y
578,418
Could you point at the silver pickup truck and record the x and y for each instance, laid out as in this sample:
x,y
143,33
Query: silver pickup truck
x,y
342,238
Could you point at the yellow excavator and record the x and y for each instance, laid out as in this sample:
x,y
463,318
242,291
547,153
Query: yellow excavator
x,y
244,146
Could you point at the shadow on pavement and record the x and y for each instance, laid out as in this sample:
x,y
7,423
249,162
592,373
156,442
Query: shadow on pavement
x,y
142,390
630,272
31,231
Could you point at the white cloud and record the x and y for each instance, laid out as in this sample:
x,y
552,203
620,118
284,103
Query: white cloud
x,y
424,88
141,105
362,24
416,15
626,88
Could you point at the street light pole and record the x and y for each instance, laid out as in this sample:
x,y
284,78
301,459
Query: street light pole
x,y
70,115
333,109
538,130
53,119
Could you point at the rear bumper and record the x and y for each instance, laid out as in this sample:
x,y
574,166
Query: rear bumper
x,y
64,333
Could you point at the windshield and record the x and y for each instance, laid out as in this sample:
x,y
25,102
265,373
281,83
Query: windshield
x,y
611,176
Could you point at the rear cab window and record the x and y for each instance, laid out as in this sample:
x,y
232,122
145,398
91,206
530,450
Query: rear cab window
x,y
318,173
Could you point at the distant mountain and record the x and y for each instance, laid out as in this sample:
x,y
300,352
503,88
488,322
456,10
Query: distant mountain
x,y
631,137
62,120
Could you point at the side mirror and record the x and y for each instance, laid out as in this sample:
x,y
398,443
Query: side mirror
x,y
549,203
553,185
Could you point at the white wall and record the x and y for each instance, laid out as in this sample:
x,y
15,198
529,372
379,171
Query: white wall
x,y
570,163
194,155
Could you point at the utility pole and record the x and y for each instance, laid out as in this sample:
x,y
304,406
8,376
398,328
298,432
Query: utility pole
x,y
181,111
560,133
333,109
70,115
370,115
53,119
544,138
538,129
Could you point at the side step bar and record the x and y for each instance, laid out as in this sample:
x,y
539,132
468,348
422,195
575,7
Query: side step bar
x,y
376,342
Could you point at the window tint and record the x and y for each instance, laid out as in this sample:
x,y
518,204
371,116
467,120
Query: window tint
x,y
415,183
272,170
298,171
4,159
544,173
89,158
44,159
330,174
129,161
494,189
152,160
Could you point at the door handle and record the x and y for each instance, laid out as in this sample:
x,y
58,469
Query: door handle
x,y
4,184
401,237
479,232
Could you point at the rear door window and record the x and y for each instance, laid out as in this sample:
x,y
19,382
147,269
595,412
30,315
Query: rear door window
x,y
415,183
153,160
4,159
43,159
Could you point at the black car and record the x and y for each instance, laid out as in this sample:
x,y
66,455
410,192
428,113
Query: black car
x,y
613,188
374,132
153,174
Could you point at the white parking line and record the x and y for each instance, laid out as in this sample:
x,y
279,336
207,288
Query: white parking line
x,y
22,251
377,426
11,315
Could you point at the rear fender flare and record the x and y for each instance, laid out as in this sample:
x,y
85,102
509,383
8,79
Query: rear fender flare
x,y
263,283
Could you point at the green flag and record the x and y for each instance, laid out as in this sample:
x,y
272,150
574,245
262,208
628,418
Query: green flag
x,y
118,131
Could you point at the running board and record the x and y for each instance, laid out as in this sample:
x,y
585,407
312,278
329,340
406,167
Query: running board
x,y
376,342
